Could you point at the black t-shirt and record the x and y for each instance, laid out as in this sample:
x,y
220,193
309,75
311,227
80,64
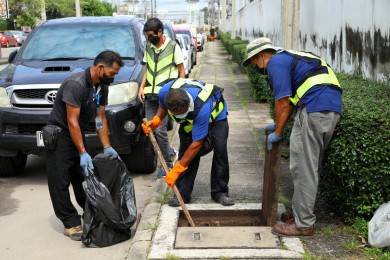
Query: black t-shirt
x,y
77,90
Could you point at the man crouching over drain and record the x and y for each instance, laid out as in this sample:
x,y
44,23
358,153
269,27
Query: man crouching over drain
x,y
201,111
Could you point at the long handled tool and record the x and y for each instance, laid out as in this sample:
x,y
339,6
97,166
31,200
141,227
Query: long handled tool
x,y
165,167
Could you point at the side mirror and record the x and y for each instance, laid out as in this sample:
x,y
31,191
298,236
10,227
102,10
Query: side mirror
x,y
12,55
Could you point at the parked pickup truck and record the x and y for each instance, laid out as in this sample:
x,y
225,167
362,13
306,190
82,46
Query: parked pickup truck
x,y
55,50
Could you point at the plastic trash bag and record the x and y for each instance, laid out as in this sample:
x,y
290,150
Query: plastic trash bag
x,y
110,209
379,227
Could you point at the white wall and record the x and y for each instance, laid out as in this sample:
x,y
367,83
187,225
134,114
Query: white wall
x,y
352,35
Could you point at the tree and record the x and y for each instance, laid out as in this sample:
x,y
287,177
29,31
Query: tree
x,y
24,13
96,8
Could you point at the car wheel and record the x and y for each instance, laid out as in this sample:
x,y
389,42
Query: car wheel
x,y
142,158
10,166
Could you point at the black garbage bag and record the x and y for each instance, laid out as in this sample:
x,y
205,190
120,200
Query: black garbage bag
x,y
110,209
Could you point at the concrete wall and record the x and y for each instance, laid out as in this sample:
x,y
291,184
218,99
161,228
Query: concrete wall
x,y
352,35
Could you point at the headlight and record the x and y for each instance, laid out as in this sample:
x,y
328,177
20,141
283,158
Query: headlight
x,y
4,100
122,93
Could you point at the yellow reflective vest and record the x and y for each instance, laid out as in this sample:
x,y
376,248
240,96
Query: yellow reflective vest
x,y
207,91
323,76
161,67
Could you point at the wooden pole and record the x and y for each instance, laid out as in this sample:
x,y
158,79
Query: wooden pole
x,y
271,182
165,167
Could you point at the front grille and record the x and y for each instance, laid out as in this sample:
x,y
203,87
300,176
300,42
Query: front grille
x,y
33,98
31,93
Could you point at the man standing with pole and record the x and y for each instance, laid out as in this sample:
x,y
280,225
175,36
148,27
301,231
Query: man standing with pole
x,y
305,82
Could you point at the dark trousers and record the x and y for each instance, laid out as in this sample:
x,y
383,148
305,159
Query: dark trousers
x,y
63,168
219,178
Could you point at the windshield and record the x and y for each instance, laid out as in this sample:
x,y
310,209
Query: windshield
x,y
79,41
183,32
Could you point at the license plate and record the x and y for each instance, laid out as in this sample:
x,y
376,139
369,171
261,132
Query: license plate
x,y
40,142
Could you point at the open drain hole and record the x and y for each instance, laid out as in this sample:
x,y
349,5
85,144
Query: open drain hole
x,y
223,218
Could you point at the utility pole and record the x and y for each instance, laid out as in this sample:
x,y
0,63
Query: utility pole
x,y
134,7
233,35
78,9
223,20
43,10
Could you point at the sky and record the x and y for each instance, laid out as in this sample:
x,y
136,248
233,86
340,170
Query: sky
x,y
177,7
169,8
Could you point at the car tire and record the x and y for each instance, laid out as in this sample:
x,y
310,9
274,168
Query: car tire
x,y
142,158
10,166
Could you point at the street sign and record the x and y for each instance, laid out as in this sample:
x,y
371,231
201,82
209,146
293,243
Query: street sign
x,y
4,14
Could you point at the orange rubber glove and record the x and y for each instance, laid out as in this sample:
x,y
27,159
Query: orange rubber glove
x,y
174,173
154,123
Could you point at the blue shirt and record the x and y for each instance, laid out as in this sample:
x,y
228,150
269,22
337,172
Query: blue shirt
x,y
201,120
316,99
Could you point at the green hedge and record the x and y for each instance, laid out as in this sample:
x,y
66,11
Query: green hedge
x,y
356,175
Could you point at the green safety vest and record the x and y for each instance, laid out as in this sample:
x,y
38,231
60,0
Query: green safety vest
x,y
161,67
323,76
207,91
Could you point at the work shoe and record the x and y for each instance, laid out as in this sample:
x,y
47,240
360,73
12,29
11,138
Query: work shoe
x,y
287,217
291,230
173,202
174,156
225,200
161,174
74,232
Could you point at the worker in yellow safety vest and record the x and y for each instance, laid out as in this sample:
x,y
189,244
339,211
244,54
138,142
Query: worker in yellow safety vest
x,y
303,82
201,111
164,62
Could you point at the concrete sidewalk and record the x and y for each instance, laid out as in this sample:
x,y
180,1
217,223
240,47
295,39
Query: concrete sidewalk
x,y
247,120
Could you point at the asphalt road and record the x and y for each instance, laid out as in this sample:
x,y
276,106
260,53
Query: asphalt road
x,y
29,228
5,53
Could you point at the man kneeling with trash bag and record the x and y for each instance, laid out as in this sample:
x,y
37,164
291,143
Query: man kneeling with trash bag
x,y
110,209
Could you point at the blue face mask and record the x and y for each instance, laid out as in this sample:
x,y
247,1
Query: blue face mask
x,y
182,116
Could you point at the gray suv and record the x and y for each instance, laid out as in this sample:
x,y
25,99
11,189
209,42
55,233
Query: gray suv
x,y
55,50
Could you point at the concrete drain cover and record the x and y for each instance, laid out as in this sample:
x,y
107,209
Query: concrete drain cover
x,y
225,237
212,242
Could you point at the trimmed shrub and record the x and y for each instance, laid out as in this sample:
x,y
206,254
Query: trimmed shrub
x,y
356,173
239,54
356,176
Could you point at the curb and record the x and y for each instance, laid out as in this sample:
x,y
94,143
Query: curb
x,y
140,246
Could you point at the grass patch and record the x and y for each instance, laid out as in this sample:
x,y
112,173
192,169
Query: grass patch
x,y
150,226
164,196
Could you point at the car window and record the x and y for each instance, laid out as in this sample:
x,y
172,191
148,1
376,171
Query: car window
x,y
83,41
183,32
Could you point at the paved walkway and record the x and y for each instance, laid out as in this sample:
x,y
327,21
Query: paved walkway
x,y
246,157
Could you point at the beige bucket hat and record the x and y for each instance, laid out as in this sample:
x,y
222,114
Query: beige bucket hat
x,y
256,46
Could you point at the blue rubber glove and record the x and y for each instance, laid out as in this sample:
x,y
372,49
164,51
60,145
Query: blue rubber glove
x,y
110,150
273,138
270,127
86,162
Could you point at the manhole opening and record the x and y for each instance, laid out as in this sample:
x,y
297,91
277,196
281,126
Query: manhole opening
x,y
223,218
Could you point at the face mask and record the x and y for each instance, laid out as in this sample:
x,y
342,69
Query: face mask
x,y
153,39
182,116
190,108
262,71
105,80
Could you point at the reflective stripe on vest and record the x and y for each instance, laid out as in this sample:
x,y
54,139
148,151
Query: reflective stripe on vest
x,y
207,91
328,78
161,67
